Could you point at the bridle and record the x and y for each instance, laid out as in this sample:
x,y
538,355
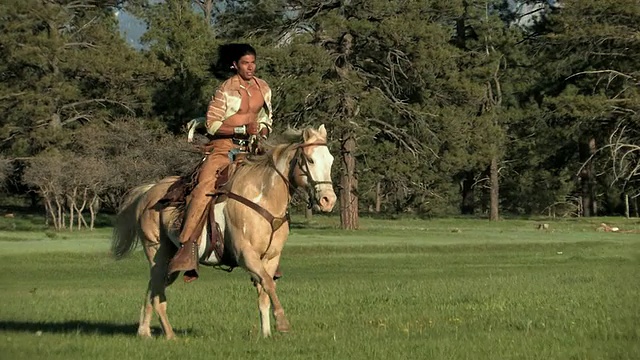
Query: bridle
x,y
301,161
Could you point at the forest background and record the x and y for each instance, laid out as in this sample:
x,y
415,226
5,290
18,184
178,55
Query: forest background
x,y
434,107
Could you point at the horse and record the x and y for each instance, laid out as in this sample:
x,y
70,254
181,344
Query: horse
x,y
253,218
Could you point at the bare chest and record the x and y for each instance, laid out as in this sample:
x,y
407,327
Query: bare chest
x,y
252,100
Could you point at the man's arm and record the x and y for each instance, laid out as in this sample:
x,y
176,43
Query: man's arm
x,y
266,122
215,118
215,113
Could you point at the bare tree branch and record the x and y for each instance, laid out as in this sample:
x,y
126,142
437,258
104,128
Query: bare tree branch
x,y
100,101
624,157
9,96
80,44
608,71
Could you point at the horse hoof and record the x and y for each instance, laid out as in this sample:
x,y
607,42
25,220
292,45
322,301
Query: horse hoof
x,y
145,334
283,326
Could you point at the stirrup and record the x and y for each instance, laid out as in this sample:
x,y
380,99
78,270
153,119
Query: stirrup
x,y
190,275
185,259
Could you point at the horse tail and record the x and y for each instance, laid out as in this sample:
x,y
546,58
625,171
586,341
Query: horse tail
x,y
125,231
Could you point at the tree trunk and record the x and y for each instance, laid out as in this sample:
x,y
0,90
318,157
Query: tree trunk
x,y
495,187
49,208
626,206
92,210
60,224
378,197
348,195
207,8
71,200
587,181
80,209
467,207
592,178
461,28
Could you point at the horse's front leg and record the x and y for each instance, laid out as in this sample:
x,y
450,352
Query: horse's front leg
x,y
264,303
264,306
282,324
266,285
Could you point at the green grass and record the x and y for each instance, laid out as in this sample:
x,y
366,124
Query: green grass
x,y
397,289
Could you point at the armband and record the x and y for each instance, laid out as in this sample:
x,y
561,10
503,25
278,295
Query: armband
x,y
241,130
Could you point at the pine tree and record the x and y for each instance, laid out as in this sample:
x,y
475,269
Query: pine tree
x,y
588,61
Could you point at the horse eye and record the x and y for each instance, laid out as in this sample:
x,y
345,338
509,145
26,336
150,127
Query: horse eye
x,y
310,161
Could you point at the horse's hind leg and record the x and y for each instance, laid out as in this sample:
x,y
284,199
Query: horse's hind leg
x,y
157,285
155,299
144,328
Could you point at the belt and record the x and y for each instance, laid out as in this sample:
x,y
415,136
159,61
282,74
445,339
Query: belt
x,y
230,136
238,140
241,142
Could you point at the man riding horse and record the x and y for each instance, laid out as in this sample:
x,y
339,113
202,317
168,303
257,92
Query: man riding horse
x,y
239,111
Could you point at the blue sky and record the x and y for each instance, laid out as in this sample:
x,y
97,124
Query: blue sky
x,y
131,28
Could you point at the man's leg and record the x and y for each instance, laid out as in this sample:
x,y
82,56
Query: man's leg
x,y
186,259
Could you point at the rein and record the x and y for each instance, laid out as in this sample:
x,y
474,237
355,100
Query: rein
x,y
300,160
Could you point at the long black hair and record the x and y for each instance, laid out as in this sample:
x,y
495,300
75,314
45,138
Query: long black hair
x,y
227,55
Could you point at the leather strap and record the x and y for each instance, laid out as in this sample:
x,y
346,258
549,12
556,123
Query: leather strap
x,y
275,222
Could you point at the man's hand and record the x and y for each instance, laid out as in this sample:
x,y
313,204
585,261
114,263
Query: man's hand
x,y
252,128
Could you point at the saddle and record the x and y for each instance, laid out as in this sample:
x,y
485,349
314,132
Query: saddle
x,y
178,196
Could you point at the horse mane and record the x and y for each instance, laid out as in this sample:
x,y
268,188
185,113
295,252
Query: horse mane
x,y
262,165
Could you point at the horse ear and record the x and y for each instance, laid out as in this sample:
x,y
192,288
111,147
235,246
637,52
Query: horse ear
x,y
322,131
306,134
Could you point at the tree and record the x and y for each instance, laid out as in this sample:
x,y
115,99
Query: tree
x,y
583,56
178,38
130,153
381,75
622,159
376,79
45,172
5,169
64,65
548,139
59,71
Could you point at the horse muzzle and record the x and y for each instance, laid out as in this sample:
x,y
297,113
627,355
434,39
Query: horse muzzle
x,y
325,199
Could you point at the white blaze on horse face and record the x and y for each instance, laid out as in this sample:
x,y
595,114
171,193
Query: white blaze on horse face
x,y
320,171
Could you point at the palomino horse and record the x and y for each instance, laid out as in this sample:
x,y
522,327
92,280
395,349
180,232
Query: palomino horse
x,y
253,234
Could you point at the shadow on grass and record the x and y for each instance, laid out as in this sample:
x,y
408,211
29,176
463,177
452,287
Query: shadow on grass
x,y
79,327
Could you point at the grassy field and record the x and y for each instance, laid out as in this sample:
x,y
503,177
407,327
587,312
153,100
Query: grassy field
x,y
397,289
